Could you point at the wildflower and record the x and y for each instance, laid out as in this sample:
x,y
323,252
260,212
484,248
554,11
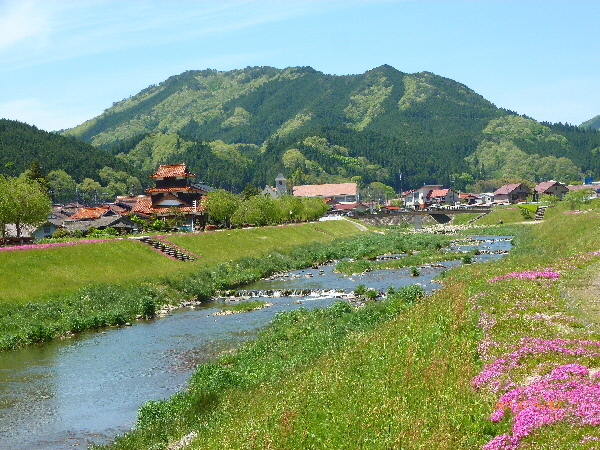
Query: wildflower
x,y
527,275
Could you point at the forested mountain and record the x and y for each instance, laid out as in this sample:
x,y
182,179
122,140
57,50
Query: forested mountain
x,y
592,123
68,160
245,126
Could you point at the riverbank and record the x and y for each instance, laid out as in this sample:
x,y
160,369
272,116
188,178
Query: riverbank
x,y
475,365
265,251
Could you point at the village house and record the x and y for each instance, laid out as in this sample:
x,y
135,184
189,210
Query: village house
x,y
578,187
430,195
512,193
551,188
338,193
100,218
173,195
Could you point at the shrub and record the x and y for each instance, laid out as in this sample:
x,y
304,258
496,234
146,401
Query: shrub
x,y
61,233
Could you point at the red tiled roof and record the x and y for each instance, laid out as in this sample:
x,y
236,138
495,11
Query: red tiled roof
x,y
172,170
325,190
172,197
438,193
173,189
577,187
143,205
543,187
162,210
94,212
345,206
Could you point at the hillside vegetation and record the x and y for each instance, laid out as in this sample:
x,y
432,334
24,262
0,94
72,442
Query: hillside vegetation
x,y
246,126
592,123
20,144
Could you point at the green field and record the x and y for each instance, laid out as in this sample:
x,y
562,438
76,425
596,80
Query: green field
x,y
407,376
33,274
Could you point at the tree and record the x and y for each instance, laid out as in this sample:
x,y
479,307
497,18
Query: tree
x,y
62,186
258,210
291,207
22,202
220,206
313,207
89,190
35,173
575,199
249,191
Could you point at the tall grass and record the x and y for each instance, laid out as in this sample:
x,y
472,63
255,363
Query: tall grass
x,y
428,377
292,343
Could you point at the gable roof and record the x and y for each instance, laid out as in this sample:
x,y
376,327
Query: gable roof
x,y
325,190
172,170
93,212
509,188
543,187
170,197
143,205
438,193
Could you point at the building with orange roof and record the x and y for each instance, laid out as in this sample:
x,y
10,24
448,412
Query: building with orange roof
x,y
340,192
173,194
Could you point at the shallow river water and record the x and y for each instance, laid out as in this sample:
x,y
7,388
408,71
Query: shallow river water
x,y
88,388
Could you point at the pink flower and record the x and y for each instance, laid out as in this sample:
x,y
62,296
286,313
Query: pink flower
x,y
527,275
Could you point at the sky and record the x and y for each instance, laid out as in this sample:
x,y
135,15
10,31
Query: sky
x,y
63,62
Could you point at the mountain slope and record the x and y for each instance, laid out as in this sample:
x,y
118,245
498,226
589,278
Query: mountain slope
x,y
20,144
592,123
247,125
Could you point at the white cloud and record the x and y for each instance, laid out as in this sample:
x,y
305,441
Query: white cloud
x,y
22,21
35,32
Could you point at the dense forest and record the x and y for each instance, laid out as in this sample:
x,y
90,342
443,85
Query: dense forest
x,y
384,126
76,171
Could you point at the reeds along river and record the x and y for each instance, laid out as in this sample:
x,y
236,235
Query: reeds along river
x,y
88,388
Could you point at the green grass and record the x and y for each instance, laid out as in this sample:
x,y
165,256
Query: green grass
x,y
49,292
404,381
226,245
29,275
246,306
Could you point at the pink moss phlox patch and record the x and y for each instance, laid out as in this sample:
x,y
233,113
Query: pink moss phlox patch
x,y
492,372
567,393
527,275
54,245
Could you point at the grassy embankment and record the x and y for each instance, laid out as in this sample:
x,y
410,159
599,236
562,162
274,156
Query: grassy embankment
x,y
426,375
106,286
47,292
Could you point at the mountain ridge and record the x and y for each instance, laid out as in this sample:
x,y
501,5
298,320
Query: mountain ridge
x,y
260,121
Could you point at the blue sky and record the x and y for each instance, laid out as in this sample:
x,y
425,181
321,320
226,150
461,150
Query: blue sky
x,y
65,61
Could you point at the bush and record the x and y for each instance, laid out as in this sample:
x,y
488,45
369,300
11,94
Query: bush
x,y
61,233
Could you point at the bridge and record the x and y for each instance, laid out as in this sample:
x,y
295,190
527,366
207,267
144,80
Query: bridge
x,y
440,215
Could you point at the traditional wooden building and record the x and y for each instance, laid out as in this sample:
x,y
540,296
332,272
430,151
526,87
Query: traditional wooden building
x,y
173,194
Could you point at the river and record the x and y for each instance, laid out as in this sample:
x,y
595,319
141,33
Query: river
x,y
88,388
